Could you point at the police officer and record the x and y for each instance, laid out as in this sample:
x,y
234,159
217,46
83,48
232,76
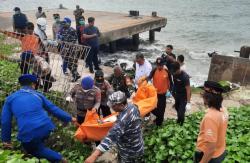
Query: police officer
x,y
69,54
34,125
87,97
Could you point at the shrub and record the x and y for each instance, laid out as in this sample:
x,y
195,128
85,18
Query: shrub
x,y
174,143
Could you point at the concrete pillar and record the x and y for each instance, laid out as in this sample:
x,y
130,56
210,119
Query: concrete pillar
x,y
245,51
151,35
136,41
112,47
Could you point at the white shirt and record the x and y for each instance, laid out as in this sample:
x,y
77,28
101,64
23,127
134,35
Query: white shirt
x,y
142,70
183,67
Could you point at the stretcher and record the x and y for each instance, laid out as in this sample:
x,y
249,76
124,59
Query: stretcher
x,y
95,128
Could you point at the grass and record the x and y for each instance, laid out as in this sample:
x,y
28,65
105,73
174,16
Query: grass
x,y
7,49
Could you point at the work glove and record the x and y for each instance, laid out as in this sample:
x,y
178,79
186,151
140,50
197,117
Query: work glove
x,y
69,99
188,106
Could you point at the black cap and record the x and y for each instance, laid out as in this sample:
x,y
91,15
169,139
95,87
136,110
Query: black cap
x,y
16,9
213,87
160,61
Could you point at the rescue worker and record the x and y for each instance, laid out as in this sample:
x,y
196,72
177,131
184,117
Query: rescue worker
x,y
161,83
40,13
169,58
87,97
106,90
121,82
69,54
126,132
78,14
40,68
40,31
80,30
29,43
182,92
19,21
34,125
211,141
142,68
90,35
56,25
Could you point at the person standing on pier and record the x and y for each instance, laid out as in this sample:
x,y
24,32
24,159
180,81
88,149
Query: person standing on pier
x,y
19,21
40,13
69,54
56,25
180,60
91,34
80,30
78,14
182,92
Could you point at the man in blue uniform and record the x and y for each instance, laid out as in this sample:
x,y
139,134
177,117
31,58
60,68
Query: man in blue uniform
x,y
70,55
34,125
126,132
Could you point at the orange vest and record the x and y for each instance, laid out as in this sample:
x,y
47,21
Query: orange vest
x,y
161,81
213,130
30,43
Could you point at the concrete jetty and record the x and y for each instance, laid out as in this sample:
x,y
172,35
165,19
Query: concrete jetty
x,y
113,26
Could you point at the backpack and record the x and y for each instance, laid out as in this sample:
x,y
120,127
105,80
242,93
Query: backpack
x,y
20,20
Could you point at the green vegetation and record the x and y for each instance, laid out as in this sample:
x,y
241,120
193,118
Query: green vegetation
x,y
174,143
61,140
6,49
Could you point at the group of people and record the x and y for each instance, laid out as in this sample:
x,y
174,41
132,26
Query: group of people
x,y
64,37
168,77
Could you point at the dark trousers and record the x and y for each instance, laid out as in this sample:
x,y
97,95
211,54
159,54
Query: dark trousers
x,y
160,110
37,148
198,158
71,62
105,110
92,58
180,107
47,82
25,67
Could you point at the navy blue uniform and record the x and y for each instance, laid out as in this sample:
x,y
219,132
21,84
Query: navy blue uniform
x,y
34,125
127,134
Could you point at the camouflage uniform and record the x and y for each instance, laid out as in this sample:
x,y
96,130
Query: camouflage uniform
x,y
69,53
85,100
127,134
120,84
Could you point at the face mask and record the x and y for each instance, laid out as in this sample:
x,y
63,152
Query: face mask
x,y
17,12
57,20
81,22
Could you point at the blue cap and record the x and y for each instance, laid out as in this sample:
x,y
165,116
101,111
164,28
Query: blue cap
x,y
27,78
87,83
67,20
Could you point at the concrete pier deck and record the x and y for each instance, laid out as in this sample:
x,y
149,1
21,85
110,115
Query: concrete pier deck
x,y
113,26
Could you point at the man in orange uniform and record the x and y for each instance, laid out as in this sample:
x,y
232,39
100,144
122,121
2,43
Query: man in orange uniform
x,y
29,41
161,83
211,142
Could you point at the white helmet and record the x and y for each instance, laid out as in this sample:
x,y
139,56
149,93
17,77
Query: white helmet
x,y
41,21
